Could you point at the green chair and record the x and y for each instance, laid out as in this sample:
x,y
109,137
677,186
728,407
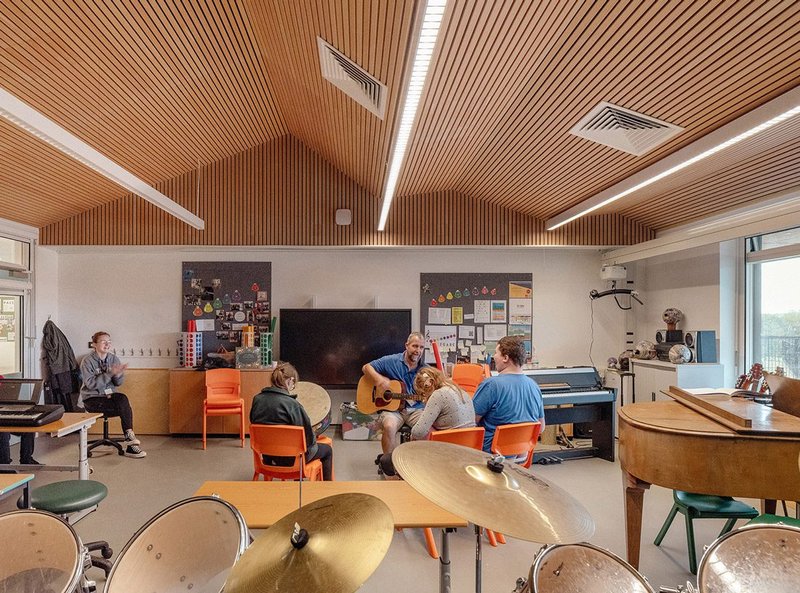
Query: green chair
x,y
767,519
704,506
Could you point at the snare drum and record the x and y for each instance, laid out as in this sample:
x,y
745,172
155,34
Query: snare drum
x,y
40,553
583,568
190,546
753,558
317,404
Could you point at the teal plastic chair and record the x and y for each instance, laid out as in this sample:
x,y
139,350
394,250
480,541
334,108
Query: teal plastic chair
x,y
767,519
704,506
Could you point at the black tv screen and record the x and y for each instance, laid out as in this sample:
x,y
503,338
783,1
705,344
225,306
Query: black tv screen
x,y
329,346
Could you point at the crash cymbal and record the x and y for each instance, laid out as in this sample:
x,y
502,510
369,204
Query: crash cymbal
x,y
512,501
347,537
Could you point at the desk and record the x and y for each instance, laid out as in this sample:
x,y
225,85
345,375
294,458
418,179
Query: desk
x,y
10,482
671,445
69,423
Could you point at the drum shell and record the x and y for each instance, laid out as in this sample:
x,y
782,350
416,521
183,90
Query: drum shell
x,y
189,546
42,552
583,568
759,557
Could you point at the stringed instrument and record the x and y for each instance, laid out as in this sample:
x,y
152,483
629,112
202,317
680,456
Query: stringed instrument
x,y
753,380
369,401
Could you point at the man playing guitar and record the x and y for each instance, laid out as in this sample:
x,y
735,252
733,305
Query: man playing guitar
x,y
401,367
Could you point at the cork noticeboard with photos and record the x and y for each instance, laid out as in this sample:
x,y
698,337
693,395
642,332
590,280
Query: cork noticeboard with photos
x,y
467,313
223,297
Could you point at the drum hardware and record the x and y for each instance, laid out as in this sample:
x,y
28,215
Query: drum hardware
x,y
332,544
688,588
490,493
522,586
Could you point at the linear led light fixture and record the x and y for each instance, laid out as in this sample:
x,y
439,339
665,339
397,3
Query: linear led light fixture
x,y
434,12
30,120
758,120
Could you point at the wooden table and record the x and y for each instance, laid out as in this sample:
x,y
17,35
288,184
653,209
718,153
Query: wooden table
x,y
10,482
69,423
674,446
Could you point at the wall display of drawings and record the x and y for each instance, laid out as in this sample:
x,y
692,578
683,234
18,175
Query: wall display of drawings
x,y
224,297
468,313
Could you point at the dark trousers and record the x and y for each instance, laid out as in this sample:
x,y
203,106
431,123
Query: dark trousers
x,y
25,447
116,404
325,455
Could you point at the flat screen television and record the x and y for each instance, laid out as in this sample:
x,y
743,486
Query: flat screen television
x,y
329,346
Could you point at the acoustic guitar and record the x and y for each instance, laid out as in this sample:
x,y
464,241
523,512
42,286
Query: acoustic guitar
x,y
369,401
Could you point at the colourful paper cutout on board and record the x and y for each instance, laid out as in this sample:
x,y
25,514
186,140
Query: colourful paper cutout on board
x,y
466,292
493,292
458,294
187,275
197,311
217,303
208,308
236,296
434,302
441,298
475,291
426,287
449,296
254,288
484,290
226,299
520,289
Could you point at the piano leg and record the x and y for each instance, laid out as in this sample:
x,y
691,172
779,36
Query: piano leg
x,y
634,501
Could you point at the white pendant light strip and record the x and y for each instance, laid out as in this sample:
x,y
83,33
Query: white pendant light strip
x,y
434,11
30,120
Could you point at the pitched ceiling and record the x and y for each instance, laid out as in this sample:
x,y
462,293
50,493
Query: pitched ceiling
x,y
160,87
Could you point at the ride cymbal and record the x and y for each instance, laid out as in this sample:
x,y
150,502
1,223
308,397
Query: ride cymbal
x,y
347,537
512,501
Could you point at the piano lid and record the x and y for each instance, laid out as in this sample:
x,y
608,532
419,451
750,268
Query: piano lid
x,y
559,379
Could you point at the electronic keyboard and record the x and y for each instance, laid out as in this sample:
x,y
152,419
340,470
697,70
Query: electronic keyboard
x,y
29,414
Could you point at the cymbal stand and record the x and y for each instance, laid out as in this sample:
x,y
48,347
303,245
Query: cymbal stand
x,y
478,578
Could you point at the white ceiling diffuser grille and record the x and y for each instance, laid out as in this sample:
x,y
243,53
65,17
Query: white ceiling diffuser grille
x,y
356,82
624,129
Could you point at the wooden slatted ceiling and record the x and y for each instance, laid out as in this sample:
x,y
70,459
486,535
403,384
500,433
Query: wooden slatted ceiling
x,y
509,83
155,86
282,193
374,35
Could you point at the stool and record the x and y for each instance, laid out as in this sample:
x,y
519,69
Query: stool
x,y
405,433
774,520
72,496
704,506
106,440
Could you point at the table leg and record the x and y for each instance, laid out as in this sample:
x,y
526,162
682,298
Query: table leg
x,y
634,501
83,457
26,496
444,563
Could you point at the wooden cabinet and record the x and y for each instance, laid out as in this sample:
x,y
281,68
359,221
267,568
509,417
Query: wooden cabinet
x,y
187,390
653,376
148,393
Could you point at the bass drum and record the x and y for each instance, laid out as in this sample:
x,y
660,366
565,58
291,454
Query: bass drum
x,y
583,568
40,553
190,546
753,558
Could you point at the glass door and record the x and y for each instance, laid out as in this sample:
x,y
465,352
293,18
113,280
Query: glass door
x,y
11,335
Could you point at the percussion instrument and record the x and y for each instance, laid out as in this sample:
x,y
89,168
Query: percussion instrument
x,y
317,404
189,546
583,568
754,558
492,493
40,553
333,545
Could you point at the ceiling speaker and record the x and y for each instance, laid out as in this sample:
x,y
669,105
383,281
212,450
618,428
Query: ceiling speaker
x,y
344,217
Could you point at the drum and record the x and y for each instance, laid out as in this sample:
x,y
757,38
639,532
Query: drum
x,y
190,546
753,558
317,404
583,568
40,553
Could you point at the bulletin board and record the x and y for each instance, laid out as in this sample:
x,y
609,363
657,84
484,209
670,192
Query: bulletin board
x,y
467,313
222,297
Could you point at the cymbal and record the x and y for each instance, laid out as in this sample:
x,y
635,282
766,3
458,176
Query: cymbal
x,y
348,536
514,502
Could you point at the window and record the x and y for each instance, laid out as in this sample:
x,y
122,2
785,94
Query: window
x,y
773,301
11,335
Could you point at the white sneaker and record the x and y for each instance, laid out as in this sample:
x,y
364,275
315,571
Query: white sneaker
x,y
134,451
130,439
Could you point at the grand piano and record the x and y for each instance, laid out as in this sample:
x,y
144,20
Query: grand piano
x,y
686,445
576,395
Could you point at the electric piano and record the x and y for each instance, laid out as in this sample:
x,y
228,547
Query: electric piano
x,y
581,391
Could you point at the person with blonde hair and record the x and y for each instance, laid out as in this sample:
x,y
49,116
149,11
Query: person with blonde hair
x,y
276,405
446,406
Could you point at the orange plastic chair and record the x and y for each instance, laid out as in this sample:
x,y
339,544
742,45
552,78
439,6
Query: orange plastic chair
x,y
468,376
223,398
280,440
517,439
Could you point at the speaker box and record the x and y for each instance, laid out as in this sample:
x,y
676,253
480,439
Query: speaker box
x,y
703,344
669,335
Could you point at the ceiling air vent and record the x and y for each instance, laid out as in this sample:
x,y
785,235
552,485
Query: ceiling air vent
x,y
356,82
624,129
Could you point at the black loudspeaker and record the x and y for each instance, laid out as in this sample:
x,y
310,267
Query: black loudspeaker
x,y
703,344
669,335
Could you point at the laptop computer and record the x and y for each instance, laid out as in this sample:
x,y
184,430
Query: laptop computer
x,y
19,404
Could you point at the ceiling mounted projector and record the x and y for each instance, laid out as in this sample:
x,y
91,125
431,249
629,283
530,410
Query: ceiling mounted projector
x,y
613,273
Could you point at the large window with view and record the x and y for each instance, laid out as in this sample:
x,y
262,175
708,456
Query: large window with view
x,y
773,297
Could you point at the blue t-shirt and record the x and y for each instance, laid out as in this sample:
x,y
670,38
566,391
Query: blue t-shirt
x,y
394,367
506,399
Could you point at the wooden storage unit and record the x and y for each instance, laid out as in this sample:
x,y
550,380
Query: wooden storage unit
x,y
187,390
654,376
148,392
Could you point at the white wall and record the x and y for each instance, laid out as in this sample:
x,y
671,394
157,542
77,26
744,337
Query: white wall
x,y
135,293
